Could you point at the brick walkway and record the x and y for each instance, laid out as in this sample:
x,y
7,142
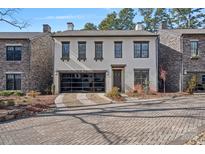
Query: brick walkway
x,y
156,122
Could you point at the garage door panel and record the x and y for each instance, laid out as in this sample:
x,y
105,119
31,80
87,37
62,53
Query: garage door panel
x,y
82,82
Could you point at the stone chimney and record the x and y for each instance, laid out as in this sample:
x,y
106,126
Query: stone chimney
x,y
70,26
46,28
163,25
139,27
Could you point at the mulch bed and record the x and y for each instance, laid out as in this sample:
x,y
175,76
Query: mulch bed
x,y
25,106
157,95
197,140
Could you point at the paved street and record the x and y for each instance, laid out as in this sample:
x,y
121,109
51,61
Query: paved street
x,y
157,122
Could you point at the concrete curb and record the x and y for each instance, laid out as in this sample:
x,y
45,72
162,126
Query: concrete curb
x,y
102,95
156,99
59,100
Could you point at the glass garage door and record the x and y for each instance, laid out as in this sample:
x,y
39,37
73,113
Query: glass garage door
x,y
82,82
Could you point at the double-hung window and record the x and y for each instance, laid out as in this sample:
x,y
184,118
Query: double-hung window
x,y
141,76
13,53
194,48
82,51
203,79
141,49
118,49
65,50
98,50
13,81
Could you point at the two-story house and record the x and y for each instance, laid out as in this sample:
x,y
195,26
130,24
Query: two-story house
x,y
182,54
96,61
26,60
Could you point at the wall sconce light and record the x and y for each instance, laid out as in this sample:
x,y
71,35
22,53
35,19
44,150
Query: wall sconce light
x,y
107,72
185,72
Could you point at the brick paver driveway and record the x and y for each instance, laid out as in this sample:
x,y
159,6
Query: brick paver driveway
x,y
156,122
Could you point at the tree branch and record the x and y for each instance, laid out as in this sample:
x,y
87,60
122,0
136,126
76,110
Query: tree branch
x,y
8,16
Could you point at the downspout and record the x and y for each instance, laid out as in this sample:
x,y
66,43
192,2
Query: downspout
x,y
182,67
157,52
30,63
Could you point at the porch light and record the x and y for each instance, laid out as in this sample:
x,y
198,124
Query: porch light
x,y
185,71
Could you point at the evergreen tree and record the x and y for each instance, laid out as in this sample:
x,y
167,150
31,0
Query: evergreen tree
x,y
110,22
90,26
188,18
126,17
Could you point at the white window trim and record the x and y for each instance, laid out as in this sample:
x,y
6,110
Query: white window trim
x,y
14,73
14,45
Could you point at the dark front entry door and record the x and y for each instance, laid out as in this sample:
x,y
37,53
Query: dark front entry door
x,y
117,79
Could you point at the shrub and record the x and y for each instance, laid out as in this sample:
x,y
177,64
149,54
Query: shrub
x,y
18,93
138,88
33,93
130,93
46,91
11,92
192,84
114,93
152,91
6,93
5,103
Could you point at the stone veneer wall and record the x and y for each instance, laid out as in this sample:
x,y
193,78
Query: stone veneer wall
x,y
22,66
41,62
170,58
193,66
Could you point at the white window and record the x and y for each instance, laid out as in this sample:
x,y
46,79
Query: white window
x,y
194,48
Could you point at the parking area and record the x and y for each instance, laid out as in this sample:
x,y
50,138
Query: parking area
x,y
171,121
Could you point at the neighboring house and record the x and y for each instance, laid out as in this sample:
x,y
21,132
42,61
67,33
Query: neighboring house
x,y
26,60
182,54
96,61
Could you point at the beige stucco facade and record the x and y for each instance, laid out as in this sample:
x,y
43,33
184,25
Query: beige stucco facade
x,y
127,59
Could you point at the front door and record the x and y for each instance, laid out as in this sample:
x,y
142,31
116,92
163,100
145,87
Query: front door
x,y
117,79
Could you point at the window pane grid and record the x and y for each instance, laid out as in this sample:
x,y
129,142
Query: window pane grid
x,y
141,76
98,50
13,82
95,82
13,53
118,49
194,48
141,49
65,49
81,50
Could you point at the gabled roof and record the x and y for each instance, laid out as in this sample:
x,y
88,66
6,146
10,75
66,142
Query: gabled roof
x,y
103,33
19,35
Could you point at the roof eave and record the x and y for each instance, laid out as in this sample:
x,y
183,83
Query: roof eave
x,y
105,35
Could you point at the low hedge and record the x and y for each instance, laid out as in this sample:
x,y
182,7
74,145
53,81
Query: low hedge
x,y
11,92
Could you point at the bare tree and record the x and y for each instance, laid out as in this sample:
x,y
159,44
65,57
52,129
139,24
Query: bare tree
x,y
9,16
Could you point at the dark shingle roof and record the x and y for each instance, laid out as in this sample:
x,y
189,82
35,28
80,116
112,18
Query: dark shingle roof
x,y
97,33
184,31
19,35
